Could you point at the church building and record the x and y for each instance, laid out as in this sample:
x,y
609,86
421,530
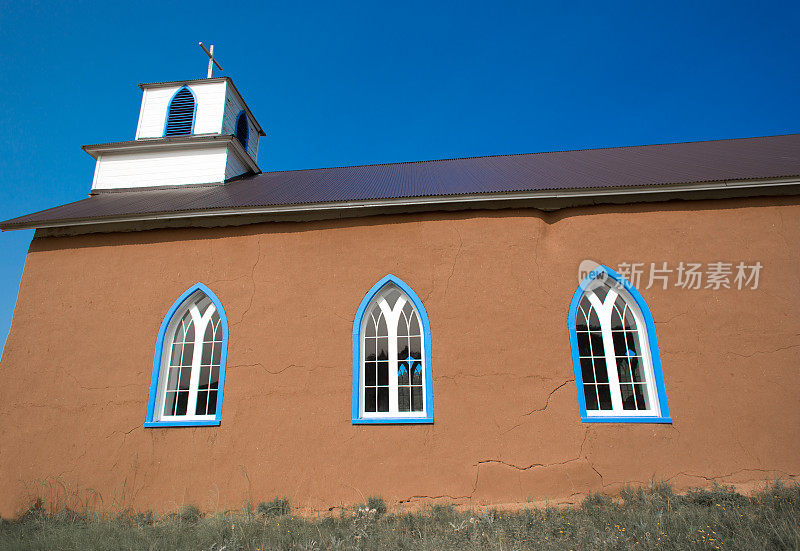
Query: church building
x,y
480,331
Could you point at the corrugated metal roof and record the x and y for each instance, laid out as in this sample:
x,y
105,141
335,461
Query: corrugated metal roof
x,y
637,166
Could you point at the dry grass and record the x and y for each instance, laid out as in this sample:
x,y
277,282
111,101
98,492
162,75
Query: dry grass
x,y
652,518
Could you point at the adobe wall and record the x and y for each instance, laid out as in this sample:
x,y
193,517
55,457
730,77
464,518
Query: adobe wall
x,y
497,286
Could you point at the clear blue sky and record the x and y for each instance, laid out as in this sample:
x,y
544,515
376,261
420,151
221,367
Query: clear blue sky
x,y
343,83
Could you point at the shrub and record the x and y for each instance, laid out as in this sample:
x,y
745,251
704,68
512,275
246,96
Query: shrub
x,y
717,495
189,514
34,511
275,508
596,501
661,490
442,512
143,518
377,504
632,496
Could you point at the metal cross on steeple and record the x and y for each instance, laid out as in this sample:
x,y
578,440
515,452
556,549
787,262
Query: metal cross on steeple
x,y
211,60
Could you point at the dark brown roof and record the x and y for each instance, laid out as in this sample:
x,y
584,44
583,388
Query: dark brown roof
x,y
637,167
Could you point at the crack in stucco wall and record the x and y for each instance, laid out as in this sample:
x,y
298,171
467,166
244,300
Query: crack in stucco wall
x,y
414,498
535,258
671,318
763,351
252,284
455,260
581,455
541,409
259,364
547,401
84,387
728,475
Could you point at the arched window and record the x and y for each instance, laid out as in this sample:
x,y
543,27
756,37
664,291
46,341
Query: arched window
x,y
180,114
189,366
242,131
615,353
392,380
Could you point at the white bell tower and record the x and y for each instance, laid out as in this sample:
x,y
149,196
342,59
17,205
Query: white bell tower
x,y
190,132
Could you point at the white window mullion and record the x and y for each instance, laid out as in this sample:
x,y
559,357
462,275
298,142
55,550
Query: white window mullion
x,y
608,346
611,361
391,333
603,310
197,354
391,321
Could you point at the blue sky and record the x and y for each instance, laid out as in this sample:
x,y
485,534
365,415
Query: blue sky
x,y
343,83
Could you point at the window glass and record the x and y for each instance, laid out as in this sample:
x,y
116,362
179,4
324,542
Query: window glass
x,y
242,130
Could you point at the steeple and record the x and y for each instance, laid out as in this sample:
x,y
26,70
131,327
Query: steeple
x,y
189,132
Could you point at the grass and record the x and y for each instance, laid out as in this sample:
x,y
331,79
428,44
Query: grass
x,y
276,508
652,518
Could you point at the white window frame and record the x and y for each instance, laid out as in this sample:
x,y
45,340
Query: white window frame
x,y
650,364
159,379
359,416
604,312
392,317
200,324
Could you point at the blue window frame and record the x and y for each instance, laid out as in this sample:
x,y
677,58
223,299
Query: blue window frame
x,y
188,378
615,352
180,113
242,130
392,381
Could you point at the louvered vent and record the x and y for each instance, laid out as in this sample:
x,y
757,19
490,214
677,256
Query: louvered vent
x,y
181,113
242,132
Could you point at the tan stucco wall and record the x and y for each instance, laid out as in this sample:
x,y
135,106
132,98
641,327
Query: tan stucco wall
x,y
497,286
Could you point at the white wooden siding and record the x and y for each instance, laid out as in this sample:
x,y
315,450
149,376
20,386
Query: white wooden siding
x,y
210,107
232,109
157,168
141,115
234,167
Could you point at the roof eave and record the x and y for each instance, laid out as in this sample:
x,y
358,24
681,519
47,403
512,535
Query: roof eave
x,y
148,144
542,200
168,83
246,108
176,142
